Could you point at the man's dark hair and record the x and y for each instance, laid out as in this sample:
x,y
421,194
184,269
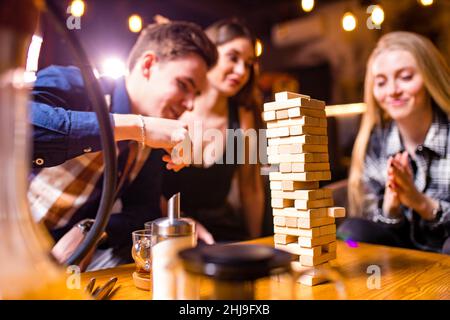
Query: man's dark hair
x,y
173,40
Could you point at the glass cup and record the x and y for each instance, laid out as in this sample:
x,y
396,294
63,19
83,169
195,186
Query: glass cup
x,y
141,252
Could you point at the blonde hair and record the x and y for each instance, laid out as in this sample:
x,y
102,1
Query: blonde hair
x,y
436,77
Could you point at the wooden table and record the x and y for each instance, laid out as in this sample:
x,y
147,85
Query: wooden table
x,y
405,274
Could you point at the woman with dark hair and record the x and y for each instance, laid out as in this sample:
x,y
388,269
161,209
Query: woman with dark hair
x,y
230,101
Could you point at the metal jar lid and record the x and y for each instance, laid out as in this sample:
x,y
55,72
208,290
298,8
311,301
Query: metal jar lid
x,y
237,262
173,225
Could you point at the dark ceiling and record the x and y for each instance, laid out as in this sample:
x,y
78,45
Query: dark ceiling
x,y
104,28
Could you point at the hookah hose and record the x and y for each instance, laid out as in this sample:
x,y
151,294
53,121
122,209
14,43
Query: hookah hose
x,y
97,99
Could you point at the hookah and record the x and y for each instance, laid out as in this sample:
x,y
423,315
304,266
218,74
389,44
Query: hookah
x,y
27,269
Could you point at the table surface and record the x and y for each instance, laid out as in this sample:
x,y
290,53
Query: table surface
x,y
405,274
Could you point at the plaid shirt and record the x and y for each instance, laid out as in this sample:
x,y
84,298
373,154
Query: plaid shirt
x,y
431,169
62,195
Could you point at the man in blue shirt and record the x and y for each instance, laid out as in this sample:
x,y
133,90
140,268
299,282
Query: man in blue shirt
x,y
167,69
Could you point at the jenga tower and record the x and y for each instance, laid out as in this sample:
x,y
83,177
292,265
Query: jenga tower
x,y
303,213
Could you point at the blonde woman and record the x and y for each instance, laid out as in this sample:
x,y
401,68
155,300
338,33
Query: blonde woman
x,y
399,184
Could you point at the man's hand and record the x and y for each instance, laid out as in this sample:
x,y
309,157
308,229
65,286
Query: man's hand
x,y
159,133
67,245
164,133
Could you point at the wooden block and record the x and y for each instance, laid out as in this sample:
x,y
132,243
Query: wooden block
x,y
289,185
336,212
276,185
304,139
314,251
327,192
285,95
272,150
294,102
269,115
328,229
298,194
277,132
283,114
291,222
302,121
273,158
309,280
301,111
294,248
279,221
301,157
302,148
309,242
305,214
311,204
284,238
303,233
301,176
302,129
285,167
311,223
329,247
323,123
312,271
311,166
316,260
282,203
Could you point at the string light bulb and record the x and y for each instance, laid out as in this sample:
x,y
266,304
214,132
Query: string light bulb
x,y
349,21
307,5
258,48
426,2
377,15
77,8
135,23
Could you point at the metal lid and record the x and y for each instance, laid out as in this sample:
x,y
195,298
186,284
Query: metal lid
x,y
236,262
173,225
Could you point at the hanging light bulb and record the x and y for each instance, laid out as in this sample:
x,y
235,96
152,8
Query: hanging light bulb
x,y
307,5
135,23
349,21
426,2
377,15
77,8
258,48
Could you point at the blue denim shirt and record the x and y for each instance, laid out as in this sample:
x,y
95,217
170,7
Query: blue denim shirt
x,y
64,127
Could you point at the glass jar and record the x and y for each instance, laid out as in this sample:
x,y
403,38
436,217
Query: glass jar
x,y
170,236
238,272
26,268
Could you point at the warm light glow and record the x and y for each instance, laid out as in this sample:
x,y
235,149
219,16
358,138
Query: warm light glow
x,y
426,2
377,15
258,48
349,21
307,5
77,8
113,68
32,59
345,109
135,23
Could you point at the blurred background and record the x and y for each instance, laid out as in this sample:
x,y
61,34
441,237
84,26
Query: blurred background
x,y
318,48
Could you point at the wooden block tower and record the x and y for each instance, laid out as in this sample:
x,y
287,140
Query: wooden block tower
x,y
303,213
